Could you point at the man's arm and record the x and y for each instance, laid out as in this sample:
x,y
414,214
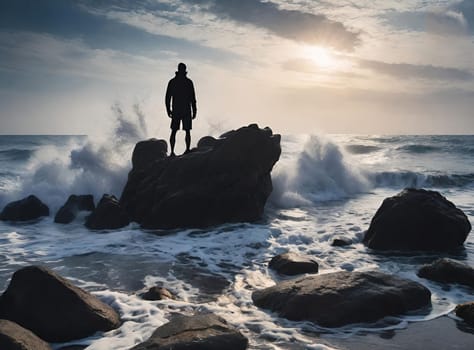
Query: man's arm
x,y
193,100
168,99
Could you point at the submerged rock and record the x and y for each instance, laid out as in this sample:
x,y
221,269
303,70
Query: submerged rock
x,y
448,271
292,264
341,242
53,308
25,209
74,204
196,332
417,219
157,293
109,214
15,337
341,298
466,312
223,180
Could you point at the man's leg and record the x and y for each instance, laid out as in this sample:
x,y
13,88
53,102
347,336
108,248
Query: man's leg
x,y
172,140
188,140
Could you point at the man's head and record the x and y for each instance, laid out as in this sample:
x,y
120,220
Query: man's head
x,y
181,68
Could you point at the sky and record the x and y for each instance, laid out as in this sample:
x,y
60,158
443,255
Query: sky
x,y
298,66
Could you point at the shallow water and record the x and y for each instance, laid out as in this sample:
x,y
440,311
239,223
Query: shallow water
x,y
324,187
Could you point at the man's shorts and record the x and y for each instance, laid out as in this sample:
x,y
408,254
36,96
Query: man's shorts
x,y
187,123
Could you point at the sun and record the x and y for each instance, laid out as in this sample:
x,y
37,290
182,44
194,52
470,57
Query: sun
x,y
321,57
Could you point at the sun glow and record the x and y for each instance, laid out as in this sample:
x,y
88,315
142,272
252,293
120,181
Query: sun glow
x,y
322,57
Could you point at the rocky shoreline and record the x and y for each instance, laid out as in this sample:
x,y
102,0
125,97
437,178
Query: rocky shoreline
x,y
223,180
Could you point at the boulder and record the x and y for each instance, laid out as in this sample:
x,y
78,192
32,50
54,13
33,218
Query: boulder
x,y
15,337
53,308
196,332
448,271
226,180
337,299
109,214
466,312
157,293
148,151
417,219
74,204
28,208
293,264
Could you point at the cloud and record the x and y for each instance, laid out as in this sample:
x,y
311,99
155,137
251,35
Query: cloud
x,y
291,24
415,71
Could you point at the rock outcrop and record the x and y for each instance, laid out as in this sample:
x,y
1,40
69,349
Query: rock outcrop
x,y
448,271
291,264
74,204
341,298
53,308
196,332
222,180
25,209
109,214
417,219
15,337
466,312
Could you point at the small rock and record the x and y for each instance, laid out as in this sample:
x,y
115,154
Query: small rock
x,y
74,204
28,208
108,215
292,264
340,242
417,219
448,271
53,308
197,332
15,337
341,298
157,293
466,312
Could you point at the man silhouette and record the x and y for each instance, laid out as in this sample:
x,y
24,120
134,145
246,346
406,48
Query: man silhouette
x,y
182,108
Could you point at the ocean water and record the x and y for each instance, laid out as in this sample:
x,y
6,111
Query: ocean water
x,y
325,186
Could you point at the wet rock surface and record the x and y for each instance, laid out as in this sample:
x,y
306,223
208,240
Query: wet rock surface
x,y
109,214
417,219
223,180
53,308
196,332
466,312
74,204
337,299
293,264
15,337
25,209
448,271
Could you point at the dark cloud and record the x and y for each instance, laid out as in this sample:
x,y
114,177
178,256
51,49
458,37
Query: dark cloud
x,y
414,71
292,24
71,19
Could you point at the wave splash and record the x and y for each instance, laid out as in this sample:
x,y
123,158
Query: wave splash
x,y
87,166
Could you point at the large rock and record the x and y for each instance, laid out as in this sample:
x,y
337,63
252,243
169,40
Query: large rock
x,y
15,337
198,332
341,298
417,219
466,312
109,214
223,180
74,204
293,264
448,271
53,308
28,208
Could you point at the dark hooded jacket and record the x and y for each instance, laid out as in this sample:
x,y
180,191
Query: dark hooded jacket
x,y
180,93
